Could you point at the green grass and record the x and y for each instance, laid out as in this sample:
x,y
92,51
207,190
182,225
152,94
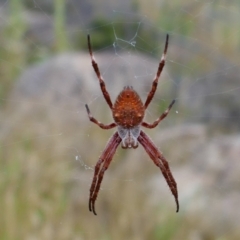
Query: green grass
x,y
61,41
12,48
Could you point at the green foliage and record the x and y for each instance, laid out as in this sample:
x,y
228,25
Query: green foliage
x,y
61,42
12,48
37,192
16,51
105,34
168,228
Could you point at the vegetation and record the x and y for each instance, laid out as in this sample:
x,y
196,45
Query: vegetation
x,y
43,189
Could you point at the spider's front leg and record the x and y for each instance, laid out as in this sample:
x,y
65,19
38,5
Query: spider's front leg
x,y
159,71
100,78
100,168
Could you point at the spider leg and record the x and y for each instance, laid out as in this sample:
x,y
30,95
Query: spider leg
x,y
155,123
94,120
104,161
159,71
98,184
161,162
100,78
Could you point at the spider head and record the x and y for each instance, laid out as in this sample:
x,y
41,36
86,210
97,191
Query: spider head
x,y
129,136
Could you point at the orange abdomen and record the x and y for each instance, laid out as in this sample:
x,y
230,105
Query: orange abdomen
x,y
128,109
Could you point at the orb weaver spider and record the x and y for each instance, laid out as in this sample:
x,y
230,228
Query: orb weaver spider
x,y
128,112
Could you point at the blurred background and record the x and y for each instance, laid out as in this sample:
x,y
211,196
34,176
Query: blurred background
x,y
48,146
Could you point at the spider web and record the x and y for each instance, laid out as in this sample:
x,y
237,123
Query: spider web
x,y
49,148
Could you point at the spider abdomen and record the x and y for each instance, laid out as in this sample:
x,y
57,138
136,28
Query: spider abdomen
x,y
128,109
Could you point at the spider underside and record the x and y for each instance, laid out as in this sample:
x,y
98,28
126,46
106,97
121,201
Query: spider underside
x,y
128,112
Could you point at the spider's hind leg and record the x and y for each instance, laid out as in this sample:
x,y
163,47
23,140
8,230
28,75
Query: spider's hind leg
x,y
100,168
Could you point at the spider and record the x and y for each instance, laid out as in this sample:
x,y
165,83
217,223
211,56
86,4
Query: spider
x,y
128,113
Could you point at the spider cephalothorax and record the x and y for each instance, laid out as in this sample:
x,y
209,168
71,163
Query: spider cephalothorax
x,y
128,113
